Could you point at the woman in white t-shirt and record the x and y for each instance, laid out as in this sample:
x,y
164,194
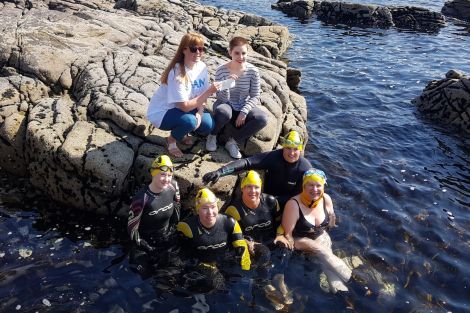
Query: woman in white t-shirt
x,y
178,104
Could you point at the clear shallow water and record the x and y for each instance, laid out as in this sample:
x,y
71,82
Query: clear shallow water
x,y
393,177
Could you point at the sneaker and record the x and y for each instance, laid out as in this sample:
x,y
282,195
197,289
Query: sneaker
x,y
211,143
232,148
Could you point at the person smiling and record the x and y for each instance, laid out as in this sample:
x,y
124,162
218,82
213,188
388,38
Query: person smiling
x,y
178,104
258,215
238,104
283,168
209,234
153,215
305,220
206,239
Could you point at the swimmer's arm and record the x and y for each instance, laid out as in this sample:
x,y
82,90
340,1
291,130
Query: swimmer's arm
x,y
330,210
133,221
289,219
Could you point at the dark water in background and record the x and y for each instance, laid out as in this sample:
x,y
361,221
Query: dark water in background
x,y
400,185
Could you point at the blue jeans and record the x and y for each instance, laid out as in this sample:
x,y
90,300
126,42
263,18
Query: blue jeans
x,y
182,123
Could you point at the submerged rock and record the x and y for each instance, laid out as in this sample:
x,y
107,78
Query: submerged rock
x,y
447,100
76,79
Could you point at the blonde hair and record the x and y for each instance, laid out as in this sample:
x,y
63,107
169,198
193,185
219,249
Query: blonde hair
x,y
190,39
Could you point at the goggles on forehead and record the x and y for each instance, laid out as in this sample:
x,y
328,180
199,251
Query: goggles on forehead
x,y
315,175
163,168
287,143
195,49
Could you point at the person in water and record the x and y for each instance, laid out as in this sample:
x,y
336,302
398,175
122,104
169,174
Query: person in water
x,y
179,103
305,220
240,103
258,215
153,215
207,237
283,168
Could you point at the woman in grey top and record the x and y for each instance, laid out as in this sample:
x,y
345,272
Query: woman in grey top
x,y
239,103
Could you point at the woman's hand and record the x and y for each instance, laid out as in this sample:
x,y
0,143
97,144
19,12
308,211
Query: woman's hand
x,y
240,121
214,87
287,243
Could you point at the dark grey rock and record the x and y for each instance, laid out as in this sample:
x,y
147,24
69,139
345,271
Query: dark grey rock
x,y
457,8
447,100
354,14
417,19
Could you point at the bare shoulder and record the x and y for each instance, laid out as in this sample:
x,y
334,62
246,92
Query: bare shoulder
x,y
328,203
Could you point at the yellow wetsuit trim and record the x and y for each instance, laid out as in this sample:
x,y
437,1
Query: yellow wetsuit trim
x,y
185,229
237,229
280,230
233,212
245,261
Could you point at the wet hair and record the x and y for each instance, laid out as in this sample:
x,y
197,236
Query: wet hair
x,y
190,39
237,41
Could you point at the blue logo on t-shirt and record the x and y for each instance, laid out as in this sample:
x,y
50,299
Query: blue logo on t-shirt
x,y
199,83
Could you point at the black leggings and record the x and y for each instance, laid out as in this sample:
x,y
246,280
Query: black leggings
x,y
255,121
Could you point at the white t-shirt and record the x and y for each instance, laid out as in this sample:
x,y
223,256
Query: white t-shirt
x,y
166,96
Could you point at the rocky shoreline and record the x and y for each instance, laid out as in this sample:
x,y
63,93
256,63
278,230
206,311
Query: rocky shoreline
x,y
75,82
76,78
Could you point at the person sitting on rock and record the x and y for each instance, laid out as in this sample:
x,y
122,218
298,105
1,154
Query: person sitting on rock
x,y
206,238
178,104
258,215
153,215
238,103
283,168
305,220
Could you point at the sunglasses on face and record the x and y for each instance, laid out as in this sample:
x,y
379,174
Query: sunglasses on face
x,y
163,168
195,49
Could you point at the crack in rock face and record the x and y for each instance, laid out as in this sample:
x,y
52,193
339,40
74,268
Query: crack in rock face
x,y
447,100
76,80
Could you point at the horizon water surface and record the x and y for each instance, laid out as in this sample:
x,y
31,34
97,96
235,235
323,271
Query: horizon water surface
x,y
400,185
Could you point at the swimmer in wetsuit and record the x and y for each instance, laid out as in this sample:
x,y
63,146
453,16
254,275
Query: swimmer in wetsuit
x,y
153,214
256,212
258,215
208,236
305,220
283,168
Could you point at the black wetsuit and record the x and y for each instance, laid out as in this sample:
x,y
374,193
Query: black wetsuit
x,y
282,179
212,245
260,223
151,221
304,228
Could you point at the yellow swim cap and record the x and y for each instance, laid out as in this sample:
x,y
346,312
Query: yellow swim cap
x,y
292,140
251,178
204,196
161,164
315,175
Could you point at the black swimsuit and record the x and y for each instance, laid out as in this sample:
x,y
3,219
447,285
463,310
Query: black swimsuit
x,y
304,228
